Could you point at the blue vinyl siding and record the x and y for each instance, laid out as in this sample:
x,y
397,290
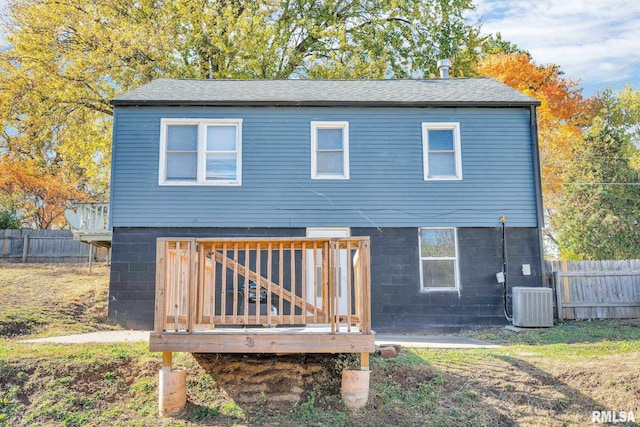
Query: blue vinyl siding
x,y
386,186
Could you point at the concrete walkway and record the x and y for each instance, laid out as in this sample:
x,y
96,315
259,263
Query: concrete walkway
x,y
96,337
432,341
417,341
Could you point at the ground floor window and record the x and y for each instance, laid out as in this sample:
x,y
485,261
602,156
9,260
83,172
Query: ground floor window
x,y
438,259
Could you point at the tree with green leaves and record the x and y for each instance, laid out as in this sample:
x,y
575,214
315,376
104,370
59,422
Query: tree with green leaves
x,y
67,59
494,44
599,212
8,218
561,117
623,110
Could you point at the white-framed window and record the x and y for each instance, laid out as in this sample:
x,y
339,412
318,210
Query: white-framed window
x,y
438,259
329,150
200,152
442,158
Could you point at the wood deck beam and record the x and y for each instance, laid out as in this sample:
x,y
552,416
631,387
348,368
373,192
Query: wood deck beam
x,y
262,342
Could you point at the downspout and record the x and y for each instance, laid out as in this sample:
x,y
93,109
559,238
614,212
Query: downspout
x,y
537,177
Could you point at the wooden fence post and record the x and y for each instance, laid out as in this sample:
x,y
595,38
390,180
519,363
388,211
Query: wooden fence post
x,y
559,296
25,248
566,293
6,250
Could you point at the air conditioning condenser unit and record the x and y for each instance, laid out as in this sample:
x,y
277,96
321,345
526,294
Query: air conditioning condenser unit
x,y
532,307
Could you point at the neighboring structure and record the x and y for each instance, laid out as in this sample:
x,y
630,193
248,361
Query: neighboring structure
x,y
89,223
425,168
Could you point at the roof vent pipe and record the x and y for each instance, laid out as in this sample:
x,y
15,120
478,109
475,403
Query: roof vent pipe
x,y
443,66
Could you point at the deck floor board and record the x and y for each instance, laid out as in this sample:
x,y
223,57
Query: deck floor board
x,y
263,340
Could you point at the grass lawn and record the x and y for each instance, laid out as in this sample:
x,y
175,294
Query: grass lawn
x,y
543,377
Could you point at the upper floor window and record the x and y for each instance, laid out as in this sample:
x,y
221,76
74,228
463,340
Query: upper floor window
x,y
441,151
330,150
438,259
201,152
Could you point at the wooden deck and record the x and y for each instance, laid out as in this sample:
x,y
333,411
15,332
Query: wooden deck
x,y
90,224
294,295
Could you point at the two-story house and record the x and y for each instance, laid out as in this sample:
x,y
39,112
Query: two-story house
x,y
425,168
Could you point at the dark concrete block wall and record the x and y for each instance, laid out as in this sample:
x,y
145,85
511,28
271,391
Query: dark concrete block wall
x,y
133,266
397,303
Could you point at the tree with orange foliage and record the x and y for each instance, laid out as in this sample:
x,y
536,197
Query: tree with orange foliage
x,y
38,197
562,115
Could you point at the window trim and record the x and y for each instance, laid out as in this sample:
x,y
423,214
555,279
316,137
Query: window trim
x,y
456,261
455,127
315,125
201,159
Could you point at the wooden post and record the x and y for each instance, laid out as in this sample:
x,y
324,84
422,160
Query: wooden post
x,y
364,361
559,296
223,285
349,285
160,319
166,360
191,286
7,243
211,277
90,257
566,293
292,265
25,248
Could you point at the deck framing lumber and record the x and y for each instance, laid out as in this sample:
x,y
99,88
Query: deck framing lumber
x,y
273,342
194,276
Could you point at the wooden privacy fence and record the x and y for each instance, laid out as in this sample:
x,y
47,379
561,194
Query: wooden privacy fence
x,y
202,284
597,289
43,246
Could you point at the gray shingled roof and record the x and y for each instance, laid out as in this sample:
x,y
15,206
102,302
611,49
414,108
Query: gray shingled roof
x,y
426,92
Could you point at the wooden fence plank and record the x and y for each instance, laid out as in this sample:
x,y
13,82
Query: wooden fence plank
x,y
566,292
598,289
600,273
602,304
51,246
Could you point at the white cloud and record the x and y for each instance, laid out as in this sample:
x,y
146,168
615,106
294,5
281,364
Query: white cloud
x,y
3,16
597,41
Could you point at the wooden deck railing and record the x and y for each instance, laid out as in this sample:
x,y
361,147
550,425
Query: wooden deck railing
x,y
202,284
93,216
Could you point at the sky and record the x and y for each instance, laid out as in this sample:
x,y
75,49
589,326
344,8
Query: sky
x,y
596,41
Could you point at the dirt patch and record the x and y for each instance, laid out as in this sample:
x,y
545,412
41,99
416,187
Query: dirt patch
x,y
17,324
53,299
270,378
